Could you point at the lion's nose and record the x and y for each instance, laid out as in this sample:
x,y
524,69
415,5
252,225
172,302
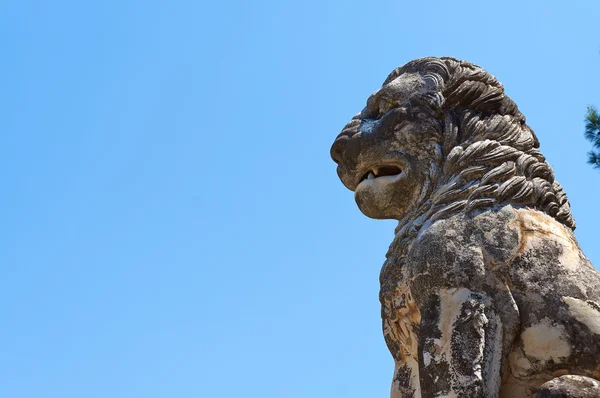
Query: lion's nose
x,y
337,150
340,145
345,152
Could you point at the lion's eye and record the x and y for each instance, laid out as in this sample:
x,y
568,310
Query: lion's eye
x,y
378,105
386,105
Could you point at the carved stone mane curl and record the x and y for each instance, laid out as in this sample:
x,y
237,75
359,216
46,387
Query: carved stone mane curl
x,y
489,154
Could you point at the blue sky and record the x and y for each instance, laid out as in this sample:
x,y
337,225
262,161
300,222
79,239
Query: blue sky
x,y
173,225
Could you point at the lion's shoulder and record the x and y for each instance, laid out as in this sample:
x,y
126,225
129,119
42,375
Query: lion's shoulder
x,y
468,243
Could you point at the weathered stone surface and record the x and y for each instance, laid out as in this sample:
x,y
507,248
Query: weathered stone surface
x,y
484,291
570,386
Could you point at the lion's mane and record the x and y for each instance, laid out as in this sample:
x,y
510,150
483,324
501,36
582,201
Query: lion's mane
x,y
488,153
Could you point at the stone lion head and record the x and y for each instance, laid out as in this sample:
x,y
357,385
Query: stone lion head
x,y
440,137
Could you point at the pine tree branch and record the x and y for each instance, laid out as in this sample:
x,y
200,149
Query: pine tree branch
x,y
594,159
592,126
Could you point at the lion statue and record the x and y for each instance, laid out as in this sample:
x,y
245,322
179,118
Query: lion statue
x,y
484,291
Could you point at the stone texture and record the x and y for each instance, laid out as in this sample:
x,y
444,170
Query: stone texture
x,y
484,291
570,386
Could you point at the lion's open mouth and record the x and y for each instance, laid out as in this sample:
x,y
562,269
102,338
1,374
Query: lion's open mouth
x,y
381,171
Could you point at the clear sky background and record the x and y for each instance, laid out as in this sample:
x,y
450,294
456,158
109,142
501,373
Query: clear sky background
x,y
172,225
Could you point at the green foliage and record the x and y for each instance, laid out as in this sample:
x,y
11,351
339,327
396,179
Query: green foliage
x,y
592,134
